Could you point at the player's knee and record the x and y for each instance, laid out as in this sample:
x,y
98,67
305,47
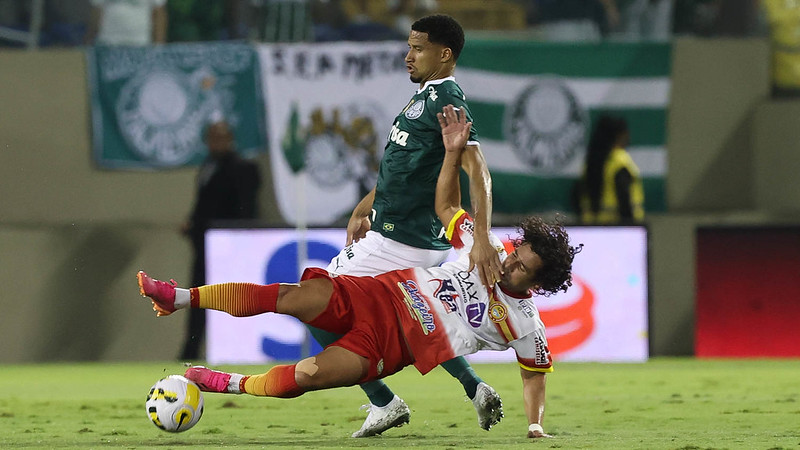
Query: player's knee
x,y
304,373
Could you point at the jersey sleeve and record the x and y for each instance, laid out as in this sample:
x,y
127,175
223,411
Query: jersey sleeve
x,y
532,351
460,232
444,95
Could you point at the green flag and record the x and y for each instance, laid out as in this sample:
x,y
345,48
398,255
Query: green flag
x,y
150,105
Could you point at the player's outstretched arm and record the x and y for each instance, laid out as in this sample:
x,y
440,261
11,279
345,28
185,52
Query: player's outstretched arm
x,y
483,254
533,392
455,132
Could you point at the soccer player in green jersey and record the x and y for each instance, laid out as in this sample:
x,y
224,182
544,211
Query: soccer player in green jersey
x,y
395,226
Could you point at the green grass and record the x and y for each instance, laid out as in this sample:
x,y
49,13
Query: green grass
x,y
662,404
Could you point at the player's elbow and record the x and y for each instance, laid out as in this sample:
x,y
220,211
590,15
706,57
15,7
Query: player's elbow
x,y
446,213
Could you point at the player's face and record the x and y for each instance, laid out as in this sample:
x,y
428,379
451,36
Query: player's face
x,y
424,60
520,269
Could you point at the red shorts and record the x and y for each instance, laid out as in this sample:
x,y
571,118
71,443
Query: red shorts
x,y
361,309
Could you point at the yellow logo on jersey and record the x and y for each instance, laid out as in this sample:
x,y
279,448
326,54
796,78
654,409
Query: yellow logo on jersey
x,y
497,312
388,226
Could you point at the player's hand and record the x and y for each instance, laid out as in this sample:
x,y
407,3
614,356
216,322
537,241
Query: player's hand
x,y
455,128
538,434
357,228
485,257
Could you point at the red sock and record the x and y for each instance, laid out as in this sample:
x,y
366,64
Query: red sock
x,y
236,299
277,382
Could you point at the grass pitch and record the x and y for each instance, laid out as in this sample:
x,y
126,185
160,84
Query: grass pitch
x,y
662,404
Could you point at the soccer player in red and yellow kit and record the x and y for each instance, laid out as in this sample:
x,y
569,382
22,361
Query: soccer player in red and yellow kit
x,y
418,316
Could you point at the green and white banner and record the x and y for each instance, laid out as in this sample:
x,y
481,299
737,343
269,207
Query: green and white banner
x,y
535,103
330,108
150,105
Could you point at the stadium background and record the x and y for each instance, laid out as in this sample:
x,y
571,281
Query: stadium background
x,y
72,235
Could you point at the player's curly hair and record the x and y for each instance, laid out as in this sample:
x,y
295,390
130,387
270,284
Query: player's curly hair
x,y
443,30
551,243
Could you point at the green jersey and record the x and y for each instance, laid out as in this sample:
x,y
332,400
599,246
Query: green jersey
x,y
405,192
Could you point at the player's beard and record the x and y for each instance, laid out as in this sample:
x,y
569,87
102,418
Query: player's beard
x,y
415,79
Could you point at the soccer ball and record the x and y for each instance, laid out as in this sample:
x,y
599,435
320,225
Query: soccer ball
x,y
174,404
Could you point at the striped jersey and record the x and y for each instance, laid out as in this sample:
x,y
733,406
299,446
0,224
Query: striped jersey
x,y
405,191
446,312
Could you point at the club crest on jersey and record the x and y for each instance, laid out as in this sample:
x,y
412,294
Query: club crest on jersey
x,y
415,111
497,312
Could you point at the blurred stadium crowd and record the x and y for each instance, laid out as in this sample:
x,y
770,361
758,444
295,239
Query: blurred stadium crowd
x,y
61,23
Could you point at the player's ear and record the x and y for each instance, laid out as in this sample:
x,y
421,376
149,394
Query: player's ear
x,y
447,54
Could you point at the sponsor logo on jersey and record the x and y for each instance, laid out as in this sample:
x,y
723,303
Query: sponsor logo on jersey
x,y
415,110
432,93
468,288
446,293
417,307
525,306
398,136
475,312
546,126
468,227
542,352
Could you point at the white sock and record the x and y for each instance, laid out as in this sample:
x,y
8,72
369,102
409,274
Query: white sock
x,y
233,383
183,298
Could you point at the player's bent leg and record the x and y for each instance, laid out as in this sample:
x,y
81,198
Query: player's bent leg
x,y
386,410
333,367
337,366
306,300
279,381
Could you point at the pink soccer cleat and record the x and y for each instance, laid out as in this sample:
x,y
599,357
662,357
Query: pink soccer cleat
x,y
160,292
208,380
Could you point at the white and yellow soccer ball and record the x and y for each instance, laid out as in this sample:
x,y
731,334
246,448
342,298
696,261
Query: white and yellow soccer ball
x,y
174,404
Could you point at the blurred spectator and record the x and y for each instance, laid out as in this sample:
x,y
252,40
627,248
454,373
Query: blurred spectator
x,y
716,17
649,20
405,12
65,22
282,20
610,190
127,22
329,20
574,20
333,22
207,20
227,187
783,19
